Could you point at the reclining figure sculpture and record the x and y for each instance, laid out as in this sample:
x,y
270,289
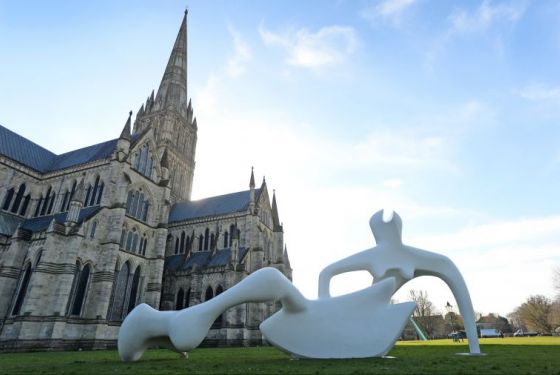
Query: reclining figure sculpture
x,y
356,325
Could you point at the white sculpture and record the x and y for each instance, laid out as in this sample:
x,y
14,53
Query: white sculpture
x,y
391,258
355,325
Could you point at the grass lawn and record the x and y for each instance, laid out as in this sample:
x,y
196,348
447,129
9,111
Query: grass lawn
x,y
519,355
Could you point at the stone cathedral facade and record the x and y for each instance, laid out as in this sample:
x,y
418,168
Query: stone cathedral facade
x,y
87,235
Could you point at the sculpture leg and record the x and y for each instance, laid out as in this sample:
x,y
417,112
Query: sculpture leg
x,y
142,328
445,269
189,326
184,330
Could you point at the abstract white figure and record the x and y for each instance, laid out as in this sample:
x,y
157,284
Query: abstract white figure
x,y
359,324
392,259
356,325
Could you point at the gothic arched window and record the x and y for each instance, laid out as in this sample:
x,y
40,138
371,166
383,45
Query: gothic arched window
x,y
94,192
8,199
88,195
22,289
80,290
129,241
19,197
134,290
209,294
100,192
182,249
226,234
119,292
134,241
177,245
51,203
200,241
25,204
72,191
137,205
123,235
45,202
179,300
206,238
64,201
231,231
143,161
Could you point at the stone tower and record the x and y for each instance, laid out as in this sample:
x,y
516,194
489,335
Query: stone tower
x,y
170,116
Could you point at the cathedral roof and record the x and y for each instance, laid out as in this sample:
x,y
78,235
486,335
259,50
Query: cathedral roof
x,y
213,206
9,223
201,259
30,154
39,224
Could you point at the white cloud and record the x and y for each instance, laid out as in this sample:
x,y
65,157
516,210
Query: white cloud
x,y
503,262
328,46
497,234
242,55
539,92
487,14
393,183
403,148
389,10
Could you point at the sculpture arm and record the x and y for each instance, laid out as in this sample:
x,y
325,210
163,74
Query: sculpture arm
x,y
442,267
357,262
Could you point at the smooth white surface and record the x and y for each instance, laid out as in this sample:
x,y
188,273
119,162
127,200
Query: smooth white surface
x,y
356,325
391,258
359,324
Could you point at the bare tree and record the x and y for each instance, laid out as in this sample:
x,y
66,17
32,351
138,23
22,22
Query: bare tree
x,y
554,317
425,313
535,314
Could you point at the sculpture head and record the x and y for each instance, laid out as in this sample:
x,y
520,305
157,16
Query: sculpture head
x,y
386,227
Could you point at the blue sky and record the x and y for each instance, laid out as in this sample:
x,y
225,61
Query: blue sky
x,y
447,112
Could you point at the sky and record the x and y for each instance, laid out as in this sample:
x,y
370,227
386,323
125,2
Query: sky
x,y
446,112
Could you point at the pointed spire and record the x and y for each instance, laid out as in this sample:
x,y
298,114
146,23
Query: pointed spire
x,y
275,218
252,181
125,134
286,257
173,87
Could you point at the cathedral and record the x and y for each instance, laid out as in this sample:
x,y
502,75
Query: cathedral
x,y
87,235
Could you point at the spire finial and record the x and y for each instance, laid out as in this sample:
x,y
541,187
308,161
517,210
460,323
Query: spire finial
x,y
125,134
252,180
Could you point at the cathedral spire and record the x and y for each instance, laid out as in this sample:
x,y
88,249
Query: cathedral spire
x,y
252,180
125,134
172,90
275,217
252,192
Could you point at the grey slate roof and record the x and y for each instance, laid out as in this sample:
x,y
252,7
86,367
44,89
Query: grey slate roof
x,y
22,150
201,259
9,223
39,224
219,205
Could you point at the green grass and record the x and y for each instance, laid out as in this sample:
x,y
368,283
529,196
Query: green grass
x,y
523,355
